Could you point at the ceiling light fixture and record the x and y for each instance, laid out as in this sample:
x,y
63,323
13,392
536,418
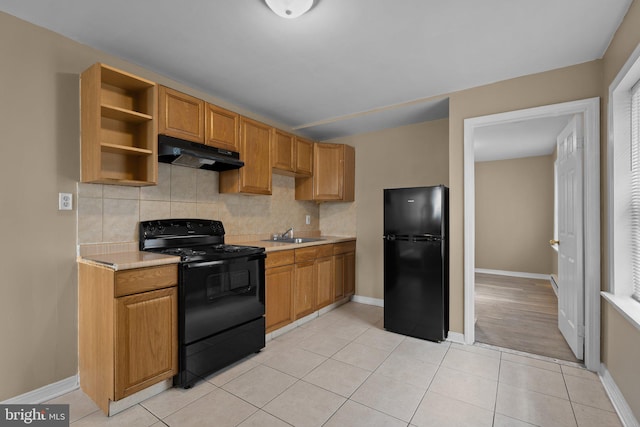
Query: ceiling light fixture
x,y
289,8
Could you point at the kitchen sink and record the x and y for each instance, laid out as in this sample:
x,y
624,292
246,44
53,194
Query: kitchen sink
x,y
294,239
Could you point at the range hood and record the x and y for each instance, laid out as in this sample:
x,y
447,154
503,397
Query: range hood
x,y
193,155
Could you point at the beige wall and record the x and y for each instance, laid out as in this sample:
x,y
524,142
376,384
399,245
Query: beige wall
x,y
408,156
39,118
620,341
514,214
551,87
620,352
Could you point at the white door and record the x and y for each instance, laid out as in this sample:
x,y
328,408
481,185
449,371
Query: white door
x,y
570,234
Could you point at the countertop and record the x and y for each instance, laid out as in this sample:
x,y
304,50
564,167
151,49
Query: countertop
x,y
139,259
279,246
129,260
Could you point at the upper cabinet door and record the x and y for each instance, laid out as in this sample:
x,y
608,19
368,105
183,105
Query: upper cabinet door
x,y
334,172
333,175
180,115
283,151
255,151
328,183
222,128
304,157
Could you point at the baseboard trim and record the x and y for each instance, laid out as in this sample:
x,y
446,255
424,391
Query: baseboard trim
x,y
46,393
456,337
554,283
514,274
617,399
368,300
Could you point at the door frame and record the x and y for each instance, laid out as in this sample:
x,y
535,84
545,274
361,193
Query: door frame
x,y
590,110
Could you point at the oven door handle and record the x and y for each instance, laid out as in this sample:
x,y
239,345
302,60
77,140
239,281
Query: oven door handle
x,y
224,261
203,264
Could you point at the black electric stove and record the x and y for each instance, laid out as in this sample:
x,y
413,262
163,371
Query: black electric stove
x,y
190,239
220,294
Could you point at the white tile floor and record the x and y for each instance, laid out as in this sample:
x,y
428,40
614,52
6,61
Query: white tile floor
x,y
343,369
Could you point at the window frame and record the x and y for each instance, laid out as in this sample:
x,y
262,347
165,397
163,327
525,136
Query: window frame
x,y
620,289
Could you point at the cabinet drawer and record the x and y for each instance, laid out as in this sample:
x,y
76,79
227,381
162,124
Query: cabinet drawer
x,y
145,279
306,254
276,259
324,251
344,247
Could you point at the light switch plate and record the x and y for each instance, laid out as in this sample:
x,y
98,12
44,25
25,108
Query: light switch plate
x,y
307,219
65,201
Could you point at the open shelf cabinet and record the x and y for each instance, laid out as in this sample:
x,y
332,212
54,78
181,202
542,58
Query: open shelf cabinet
x,y
119,127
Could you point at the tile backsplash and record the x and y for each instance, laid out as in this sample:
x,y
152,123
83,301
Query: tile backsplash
x,y
110,213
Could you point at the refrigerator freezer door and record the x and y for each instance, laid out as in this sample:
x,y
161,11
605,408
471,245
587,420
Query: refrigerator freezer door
x,y
414,211
415,303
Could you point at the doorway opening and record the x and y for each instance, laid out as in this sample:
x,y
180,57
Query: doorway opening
x,y
589,111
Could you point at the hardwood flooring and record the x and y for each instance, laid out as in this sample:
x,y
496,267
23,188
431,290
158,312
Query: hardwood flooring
x,y
520,314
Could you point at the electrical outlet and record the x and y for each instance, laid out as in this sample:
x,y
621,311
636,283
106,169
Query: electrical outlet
x,y
65,201
307,219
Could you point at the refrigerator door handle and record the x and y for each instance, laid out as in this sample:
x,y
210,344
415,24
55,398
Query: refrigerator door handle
x,y
398,237
401,237
426,238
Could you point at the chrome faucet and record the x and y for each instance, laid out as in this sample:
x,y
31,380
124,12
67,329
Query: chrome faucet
x,y
284,235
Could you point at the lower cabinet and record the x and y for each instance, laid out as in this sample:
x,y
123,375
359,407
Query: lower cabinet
x,y
280,278
344,260
145,340
324,276
350,273
304,280
128,330
304,301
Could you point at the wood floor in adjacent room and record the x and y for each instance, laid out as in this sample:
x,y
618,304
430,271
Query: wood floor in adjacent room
x,y
519,314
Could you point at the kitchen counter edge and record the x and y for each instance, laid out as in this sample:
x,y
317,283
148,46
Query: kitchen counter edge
x,y
140,259
129,260
276,246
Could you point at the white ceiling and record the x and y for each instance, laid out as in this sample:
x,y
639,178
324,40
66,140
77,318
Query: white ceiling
x,y
347,66
528,138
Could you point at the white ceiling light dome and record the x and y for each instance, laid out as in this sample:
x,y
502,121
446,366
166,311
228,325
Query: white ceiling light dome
x,y
289,8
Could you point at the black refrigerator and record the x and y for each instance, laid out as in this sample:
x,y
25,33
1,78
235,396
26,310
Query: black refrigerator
x,y
416,261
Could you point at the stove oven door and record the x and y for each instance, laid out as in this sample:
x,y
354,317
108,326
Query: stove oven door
x,y
220,295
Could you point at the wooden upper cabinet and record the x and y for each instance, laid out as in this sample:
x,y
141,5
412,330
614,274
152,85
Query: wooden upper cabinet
x,y
291,155
180,115
222,128
119,125
255,151
333,175
304,157
283,152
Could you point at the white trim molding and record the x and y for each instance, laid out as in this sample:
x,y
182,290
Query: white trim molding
x,y
617,398
46,393
456,337
590,110
368,300
514,274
